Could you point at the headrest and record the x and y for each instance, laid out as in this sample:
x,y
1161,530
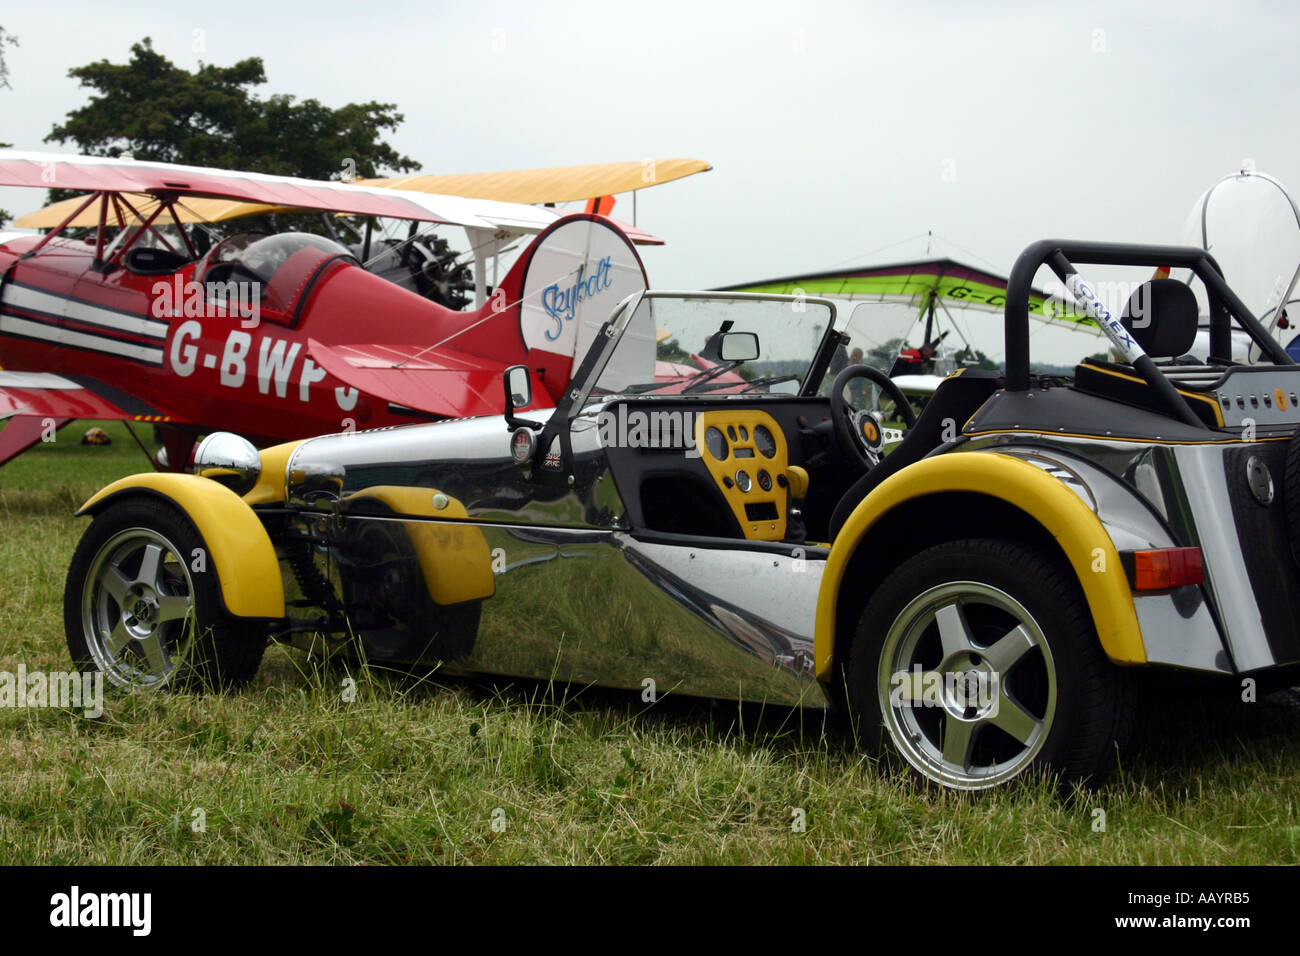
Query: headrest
x,y
1161,315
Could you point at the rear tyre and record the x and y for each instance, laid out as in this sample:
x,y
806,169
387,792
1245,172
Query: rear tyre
x,y
143,604
977,661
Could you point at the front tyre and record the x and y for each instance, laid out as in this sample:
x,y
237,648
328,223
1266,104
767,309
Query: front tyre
x,y
977,660
143,604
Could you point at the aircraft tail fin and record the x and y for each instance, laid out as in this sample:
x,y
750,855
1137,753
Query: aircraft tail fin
x,y
564,286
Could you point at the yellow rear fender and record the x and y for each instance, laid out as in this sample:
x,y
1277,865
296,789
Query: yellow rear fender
x,y
1050,504
454,558
238,546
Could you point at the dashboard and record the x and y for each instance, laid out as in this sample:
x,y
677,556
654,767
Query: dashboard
x,y
746,455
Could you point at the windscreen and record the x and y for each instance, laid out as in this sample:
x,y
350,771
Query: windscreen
x,y
1250,226
716,346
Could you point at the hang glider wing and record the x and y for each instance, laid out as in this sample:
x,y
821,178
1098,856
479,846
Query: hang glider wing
x,y
442,382
913,283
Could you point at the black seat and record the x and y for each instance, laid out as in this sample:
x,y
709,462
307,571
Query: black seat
x,y
1161,315
955,400
146,261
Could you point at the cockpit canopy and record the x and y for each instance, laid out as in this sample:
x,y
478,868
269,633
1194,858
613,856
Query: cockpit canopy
x,y
270,271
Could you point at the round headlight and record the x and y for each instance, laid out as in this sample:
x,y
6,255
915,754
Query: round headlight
x,y
229,460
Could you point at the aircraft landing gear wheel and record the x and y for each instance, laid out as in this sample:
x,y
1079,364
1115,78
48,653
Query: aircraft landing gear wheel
x,y
139,610
977,661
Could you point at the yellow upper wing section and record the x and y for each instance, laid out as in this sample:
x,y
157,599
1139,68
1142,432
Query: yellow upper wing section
x,y
527,186
557,184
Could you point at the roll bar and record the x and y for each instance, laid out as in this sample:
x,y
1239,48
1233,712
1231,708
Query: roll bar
x,y
1060,255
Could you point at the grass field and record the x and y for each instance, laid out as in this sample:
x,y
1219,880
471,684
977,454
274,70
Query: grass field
x,y
416,770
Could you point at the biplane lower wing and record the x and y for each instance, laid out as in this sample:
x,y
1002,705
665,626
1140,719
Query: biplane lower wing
x,y
35,404
439,382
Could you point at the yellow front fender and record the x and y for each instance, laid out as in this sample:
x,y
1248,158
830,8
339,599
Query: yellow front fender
x,y
1058,510
454,558
238,545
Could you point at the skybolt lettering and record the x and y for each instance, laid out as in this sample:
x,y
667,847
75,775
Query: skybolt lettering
x,y
562,305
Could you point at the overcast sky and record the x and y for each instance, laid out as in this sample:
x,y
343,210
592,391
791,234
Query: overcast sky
x,y
835,129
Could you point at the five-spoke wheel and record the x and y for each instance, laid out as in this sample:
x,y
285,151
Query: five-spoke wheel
x,y
137,601
143,603
977,660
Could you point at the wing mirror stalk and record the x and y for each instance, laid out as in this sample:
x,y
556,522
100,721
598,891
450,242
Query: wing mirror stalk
x,y
519,394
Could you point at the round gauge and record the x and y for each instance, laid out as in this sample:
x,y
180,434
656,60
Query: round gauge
x,y
765,441
743,481
715,442
764,480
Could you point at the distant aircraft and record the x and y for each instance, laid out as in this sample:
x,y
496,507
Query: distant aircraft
x,y
923,293
279,336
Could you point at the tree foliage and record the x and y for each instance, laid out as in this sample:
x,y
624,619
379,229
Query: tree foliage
x,y
152,109
6,39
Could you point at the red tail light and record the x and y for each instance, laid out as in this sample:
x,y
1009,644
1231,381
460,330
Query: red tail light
x,y
1166,568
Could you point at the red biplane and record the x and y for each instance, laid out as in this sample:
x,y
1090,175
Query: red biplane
x,y
275,336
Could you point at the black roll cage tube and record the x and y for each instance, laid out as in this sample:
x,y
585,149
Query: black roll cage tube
x,y
1061,254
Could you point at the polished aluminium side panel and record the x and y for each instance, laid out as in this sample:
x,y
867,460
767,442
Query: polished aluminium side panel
x,y
1161,496
578,599
469,460
603,608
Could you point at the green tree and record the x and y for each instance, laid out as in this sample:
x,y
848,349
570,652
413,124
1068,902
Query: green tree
x,y
155,110
152,109
6,39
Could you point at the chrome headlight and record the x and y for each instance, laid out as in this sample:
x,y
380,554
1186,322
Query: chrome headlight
x,y
229,460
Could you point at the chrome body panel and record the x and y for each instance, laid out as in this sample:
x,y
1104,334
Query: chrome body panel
x,y
578,598
469,460
607,609
1161,496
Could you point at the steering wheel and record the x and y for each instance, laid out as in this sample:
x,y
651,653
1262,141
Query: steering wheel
x,y
858,431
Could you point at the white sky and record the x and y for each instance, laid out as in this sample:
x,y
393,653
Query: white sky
x,y
834,129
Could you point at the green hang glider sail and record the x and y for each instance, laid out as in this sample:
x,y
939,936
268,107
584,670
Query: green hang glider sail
x,y
919,283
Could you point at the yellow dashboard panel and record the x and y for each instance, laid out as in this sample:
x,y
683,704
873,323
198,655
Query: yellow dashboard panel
x,y
745,452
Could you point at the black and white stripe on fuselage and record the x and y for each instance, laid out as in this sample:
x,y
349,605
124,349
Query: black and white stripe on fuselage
x,y
31,313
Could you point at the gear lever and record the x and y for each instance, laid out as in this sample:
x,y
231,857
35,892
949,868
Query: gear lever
x,y
795,481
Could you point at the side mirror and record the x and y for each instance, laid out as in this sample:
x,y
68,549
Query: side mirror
x,y
519,387
519,394
739,347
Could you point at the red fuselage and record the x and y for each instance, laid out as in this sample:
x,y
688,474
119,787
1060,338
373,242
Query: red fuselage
x,y
163,344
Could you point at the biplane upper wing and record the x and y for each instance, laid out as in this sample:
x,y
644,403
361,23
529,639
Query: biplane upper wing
x,y
553,184
102,174
501,200
443,382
